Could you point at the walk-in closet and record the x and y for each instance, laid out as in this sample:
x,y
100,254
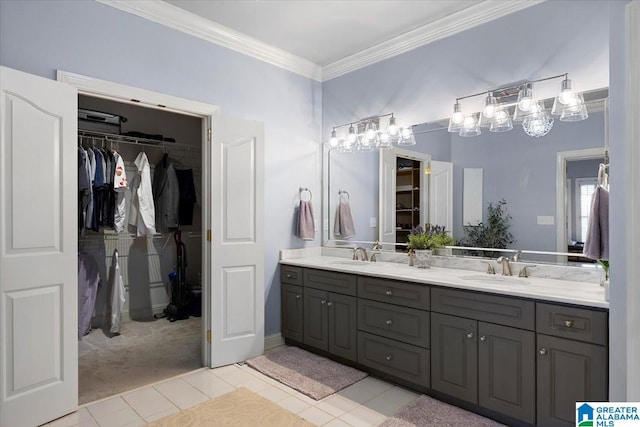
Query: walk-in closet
x,y
139,246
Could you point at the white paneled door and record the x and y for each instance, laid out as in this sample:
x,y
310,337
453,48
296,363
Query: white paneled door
x,y
237,241
38,249
441,194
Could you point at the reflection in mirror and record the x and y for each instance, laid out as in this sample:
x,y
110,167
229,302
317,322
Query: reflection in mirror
x,y
516,167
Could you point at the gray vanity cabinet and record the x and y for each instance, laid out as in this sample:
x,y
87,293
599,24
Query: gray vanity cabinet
x,y
329,317
572,363
292,312
481,357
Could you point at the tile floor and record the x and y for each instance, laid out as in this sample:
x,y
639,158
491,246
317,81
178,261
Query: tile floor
x,y
365,403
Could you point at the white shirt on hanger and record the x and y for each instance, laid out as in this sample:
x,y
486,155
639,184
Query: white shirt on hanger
x,y
120,185
142,211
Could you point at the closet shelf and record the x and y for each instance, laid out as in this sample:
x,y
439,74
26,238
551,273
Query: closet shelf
x,y
124,139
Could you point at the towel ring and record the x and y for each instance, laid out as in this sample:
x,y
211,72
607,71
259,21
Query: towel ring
x,y
341,192
302,190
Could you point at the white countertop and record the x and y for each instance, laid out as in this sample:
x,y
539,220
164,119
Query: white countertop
x,y
564,291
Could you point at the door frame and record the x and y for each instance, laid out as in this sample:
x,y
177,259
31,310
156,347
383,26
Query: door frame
x,y
159,101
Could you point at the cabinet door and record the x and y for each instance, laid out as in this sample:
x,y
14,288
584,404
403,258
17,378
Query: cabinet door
x,y
454,356
315,318
292,312
568,372
342,326
506,371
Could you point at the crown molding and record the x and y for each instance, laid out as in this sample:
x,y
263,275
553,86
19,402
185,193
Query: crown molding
x,y
187,22
455,23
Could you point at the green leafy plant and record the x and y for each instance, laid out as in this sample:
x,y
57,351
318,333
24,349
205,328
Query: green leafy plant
x,y
494,233
429,237
605,266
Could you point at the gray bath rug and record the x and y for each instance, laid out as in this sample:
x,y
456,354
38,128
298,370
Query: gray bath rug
x,y
310,374
426,412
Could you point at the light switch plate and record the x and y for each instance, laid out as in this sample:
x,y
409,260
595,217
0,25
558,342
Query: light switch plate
x,y
373,222
546,220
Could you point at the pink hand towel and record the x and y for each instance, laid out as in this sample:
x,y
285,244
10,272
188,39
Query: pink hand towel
x,y
344,221
306,224
597,241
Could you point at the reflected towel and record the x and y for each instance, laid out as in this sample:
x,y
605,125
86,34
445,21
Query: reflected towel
x,y
344,222
596,245
306,224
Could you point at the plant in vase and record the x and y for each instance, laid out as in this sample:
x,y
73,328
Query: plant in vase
x,y
423,241
605,266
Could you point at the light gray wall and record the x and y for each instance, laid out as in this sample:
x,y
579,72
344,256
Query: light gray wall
x,y
93,39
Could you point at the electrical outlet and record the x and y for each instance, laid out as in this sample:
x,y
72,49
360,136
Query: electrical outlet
x,y
373,222
546,220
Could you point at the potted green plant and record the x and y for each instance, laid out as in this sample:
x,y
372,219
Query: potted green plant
x,y
423,241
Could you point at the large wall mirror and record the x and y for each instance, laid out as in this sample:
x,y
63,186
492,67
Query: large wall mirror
x,y
541,179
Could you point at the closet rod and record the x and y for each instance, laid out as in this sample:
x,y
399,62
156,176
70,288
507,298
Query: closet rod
x,y
116,138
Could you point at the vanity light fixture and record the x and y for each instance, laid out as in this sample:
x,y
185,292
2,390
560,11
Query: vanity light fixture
x,y
516,102
367,134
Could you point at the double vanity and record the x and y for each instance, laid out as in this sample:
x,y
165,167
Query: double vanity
x,y
519,350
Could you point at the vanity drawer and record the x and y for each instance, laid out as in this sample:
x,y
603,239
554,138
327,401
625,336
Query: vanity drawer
x,y
507,311
399,323
571,322
291,275
329,281
400,360
394,292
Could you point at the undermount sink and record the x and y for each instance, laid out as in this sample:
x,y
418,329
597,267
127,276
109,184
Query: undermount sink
x,y
351,262
494,278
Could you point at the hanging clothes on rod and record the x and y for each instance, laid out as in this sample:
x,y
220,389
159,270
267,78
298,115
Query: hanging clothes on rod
x,y
142,214
89,282
166,195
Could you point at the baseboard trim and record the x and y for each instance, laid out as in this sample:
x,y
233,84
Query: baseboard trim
x,y
273,341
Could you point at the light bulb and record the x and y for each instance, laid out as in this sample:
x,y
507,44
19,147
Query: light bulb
x,y
525,104
567,95
501,116
469,122
333,141
525,98
385,138
490,106
406,133
458,116
352,137
392,129
370,134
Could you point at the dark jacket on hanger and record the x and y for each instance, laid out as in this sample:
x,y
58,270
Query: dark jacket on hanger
x,y
166,195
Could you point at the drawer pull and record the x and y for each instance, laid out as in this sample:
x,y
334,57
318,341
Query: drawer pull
x,y
329,304
483,338
298,296
388,293
289,275
568,323
322,301
543,351
470,335
389,322
389,357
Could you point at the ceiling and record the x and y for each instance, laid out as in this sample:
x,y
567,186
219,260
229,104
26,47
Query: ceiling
x,y
324,31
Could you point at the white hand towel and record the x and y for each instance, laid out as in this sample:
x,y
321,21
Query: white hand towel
x,y
344,221
597,241
306,224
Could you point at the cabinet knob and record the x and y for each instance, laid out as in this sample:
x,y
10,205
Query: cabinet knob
x,y
322,301
389,322
298,296
290,275
568,323
389,357
483,338
329,304
388,293
543,351
470,335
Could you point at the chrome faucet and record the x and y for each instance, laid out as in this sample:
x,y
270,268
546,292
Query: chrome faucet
x,y
524,272
506,267
375,250
517,256
362,250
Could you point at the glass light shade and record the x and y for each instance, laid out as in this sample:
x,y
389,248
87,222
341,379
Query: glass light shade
x,y
470,126
525,97
457,118
393,129
385,140
347,147
371,132
538,124
406,137
501,121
